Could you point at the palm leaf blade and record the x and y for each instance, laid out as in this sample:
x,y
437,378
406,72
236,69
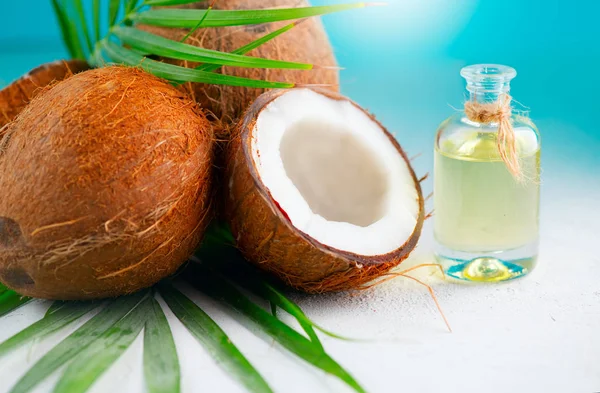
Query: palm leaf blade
x,y
165,47
96,19
113,12
219,288
67,38
249,47
183,18
76,342
10,300
161,365
182,74
83,24
96,358
58,316
212,337
168,2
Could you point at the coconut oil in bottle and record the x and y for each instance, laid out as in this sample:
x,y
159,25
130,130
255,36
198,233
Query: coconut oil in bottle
x,y
486,217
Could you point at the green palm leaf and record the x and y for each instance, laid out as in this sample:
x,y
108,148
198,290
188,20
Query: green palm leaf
x,y
96,19
76,342
58,316
95,359
216,286
10,300
183,18
251,46
169,2
212,337
67,35
113,12
160,46
161,366
83,24
182,74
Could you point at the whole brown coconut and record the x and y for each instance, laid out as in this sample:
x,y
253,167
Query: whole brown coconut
x,y
307,42
314,198
105,182
14,97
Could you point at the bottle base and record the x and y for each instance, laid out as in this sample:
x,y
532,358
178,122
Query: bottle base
x,y
487,267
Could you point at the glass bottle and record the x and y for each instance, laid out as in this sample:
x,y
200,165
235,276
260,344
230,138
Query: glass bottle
x,y
486,219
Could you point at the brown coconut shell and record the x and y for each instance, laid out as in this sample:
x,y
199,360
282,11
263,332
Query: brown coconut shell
x,y
14,97
266,237
105,183
307,42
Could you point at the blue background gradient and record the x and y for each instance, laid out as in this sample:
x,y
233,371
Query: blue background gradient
x,y
402,62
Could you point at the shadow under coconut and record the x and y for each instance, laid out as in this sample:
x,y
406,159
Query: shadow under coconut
x,y
397,296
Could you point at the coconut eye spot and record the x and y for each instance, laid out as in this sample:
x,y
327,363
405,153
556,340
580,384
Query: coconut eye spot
x,y
339,177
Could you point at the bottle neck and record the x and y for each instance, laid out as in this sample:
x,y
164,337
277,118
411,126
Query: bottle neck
x,y
487,83
487,92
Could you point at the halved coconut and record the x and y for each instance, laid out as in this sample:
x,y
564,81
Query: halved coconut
x,y
320,194
14,97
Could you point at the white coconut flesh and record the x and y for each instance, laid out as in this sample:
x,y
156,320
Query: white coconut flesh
x,y
335,173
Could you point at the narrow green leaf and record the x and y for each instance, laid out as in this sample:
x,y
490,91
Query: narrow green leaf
x,y
55,306
220,247
58,316
77,342
65,32
96,18
10,301
83,25
247,48
131,4
74,36
210,335
169,2
113,12
160,46
184,18
216,286
174,73
96,358
200,22
161,365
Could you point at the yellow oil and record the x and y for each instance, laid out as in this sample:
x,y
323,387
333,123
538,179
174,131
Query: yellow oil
x,y
479,206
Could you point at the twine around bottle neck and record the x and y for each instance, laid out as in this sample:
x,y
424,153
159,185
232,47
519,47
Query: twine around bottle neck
x,y
499,112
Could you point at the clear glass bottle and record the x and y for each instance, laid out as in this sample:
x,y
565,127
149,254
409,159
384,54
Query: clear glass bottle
x,y
486,220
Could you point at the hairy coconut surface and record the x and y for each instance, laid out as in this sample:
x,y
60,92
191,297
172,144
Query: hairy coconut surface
x,y
319,193
307,42
14,97
105,182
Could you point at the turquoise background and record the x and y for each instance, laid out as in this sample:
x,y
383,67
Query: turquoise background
x,y
402,62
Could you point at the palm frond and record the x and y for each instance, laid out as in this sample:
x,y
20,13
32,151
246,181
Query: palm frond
x,y
181,74
249,47
187,19
160,46
67,349
124,43
10,300
96,358
161,364
221,289
58,316
214,339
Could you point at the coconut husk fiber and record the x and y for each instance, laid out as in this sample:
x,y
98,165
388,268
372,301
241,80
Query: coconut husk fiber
x,y
14,97
106,181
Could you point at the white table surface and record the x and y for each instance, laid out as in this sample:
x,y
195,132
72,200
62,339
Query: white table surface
x,y
538,334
